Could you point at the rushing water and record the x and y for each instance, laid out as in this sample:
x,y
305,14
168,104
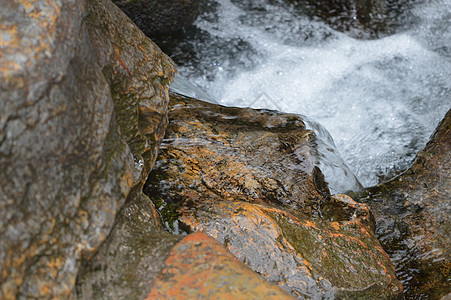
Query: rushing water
x,y
379,99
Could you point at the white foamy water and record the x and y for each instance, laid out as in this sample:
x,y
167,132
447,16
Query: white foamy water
x,y
379,99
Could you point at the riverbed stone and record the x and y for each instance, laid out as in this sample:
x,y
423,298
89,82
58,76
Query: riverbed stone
x,y
413,218
249,178
83,104
159,17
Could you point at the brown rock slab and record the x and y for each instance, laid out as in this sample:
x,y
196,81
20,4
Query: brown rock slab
x,y
413,218
249,179
139,259
237,154
198,267
307,256
83,104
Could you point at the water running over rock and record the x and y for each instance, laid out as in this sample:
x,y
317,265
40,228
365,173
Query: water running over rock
x,y
379,99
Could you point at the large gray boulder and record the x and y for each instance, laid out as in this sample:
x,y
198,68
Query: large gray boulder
x,y
83,99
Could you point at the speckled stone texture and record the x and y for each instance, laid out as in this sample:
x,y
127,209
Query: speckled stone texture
x,y
413,218
131,257
83,103
140,260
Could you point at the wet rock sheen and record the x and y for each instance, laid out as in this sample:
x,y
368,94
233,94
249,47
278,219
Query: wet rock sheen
x,y
249,178
413,218
366,19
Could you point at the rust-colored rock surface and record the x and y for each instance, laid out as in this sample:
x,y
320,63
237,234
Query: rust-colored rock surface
x,y
238,154
140,260
249,179
309,257
198,267
413,218
83,104
131,257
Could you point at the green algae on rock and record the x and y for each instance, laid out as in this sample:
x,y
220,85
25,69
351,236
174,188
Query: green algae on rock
x,y
139,259
249,179
139,75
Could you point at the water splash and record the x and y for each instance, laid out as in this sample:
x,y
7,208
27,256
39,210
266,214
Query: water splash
x,y
379,99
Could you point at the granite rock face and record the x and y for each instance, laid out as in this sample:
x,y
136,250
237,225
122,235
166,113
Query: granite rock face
x,y
413,218
83,97
157,17
249,178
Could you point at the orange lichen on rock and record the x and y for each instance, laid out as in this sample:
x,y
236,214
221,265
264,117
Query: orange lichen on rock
x,y
266,202
199,267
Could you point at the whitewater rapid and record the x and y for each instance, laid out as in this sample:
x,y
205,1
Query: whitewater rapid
x,y
379,99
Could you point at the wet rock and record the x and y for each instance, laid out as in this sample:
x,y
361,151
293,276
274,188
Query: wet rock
x,y
249,179
198,267
158,17
308,257
132,256
413,218
83,103
238,153
140,260
359,18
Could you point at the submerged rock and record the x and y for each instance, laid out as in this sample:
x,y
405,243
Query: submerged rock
x,y
359,18
158,17
249,178
83,104
413,218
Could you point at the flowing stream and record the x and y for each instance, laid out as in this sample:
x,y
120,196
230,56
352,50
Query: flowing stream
x,y
380,99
